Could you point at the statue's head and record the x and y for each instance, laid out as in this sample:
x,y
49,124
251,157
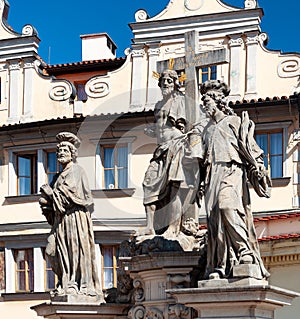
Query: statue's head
x,y
67,147
214,93
168,82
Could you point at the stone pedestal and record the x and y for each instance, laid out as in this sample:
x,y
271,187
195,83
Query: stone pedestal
x,y
62,310
155,273
239,298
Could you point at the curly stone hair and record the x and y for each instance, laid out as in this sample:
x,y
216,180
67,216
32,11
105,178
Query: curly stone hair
x,y
218,90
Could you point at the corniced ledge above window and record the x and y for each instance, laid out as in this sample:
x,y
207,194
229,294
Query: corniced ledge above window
x,y
113,193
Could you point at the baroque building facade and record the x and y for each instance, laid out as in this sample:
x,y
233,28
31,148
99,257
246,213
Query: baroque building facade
x,y
108,101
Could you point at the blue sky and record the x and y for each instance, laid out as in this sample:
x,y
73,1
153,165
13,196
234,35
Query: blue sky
x,y
61,22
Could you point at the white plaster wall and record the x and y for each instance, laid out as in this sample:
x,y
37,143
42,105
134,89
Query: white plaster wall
x,y
15,309
287,277
269,83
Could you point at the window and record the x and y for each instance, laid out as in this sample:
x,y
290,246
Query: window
x,y
109,266
24,269
26,174
81,94
52,166
208,73
50,277
115,166
272,144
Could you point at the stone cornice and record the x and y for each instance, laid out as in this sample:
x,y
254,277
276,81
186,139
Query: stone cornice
x,y
280,260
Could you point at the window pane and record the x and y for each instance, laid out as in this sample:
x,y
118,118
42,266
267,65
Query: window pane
x,y
21,280
24,166
122,157
109,153
24,186
213,72
122,164
51,162
109,178
276,166
108,278
262,141
276,143
50,280
29,257
122,178
20,259
108,257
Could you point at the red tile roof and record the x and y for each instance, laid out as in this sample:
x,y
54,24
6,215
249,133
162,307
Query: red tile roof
x,y
82,63
276,217
283,236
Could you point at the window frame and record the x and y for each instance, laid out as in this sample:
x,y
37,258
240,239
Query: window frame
x,y
26,270
99,176
115,167
269,156
33,171
209,72
41,162
273,127
114,266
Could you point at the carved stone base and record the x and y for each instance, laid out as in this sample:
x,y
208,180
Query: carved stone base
x,y
246,270
152,274
244,299
78,299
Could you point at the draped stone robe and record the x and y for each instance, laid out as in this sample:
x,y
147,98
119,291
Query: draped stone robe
x,y
231,232
71,242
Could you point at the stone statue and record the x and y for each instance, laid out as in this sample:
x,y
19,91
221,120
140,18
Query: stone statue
x,y
231,157
172,170
67,204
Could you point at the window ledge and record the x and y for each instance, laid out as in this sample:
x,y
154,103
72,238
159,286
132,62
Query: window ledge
x,y
20,296
20,199
280,181
277,182
113,193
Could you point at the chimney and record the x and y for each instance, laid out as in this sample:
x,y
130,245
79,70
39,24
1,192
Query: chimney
x,y
97,46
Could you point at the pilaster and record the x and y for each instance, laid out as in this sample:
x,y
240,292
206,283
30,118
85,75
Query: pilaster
x,y
235,44
10,282
252,42
39,270
138,90
41,172
12,174
28,88
153,91
14,108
